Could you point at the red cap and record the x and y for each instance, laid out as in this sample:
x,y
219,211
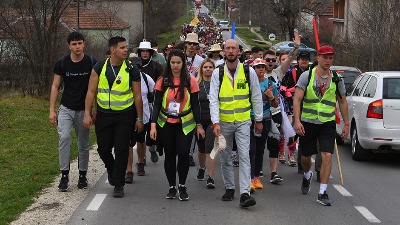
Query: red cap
x,y
324,50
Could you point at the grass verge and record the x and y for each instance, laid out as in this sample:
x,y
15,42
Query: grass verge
x,y
29,153
248,36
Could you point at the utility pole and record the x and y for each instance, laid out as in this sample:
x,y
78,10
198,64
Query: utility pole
x,y
225,10
250,14
144,2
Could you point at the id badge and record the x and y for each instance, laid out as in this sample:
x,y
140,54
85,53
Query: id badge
x,y
173,108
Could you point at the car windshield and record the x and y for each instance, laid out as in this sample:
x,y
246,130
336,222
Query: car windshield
x,y
391,88
348,77
223,22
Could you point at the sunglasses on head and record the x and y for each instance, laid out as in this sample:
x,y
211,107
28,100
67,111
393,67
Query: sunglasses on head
x,y
270,59
192,43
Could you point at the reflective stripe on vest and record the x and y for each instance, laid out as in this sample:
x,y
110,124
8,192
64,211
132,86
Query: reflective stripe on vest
x,y
120,96
234,104
187,118
314,108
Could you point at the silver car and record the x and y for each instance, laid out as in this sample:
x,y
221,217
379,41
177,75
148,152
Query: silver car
x,y
374,114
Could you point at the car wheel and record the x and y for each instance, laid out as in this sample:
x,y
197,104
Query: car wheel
x,y
358,153
339,139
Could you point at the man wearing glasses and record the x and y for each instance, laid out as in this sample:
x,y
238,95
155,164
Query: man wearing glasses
x,y
193,60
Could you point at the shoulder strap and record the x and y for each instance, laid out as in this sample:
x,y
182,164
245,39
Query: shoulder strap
x,y
221,75
63,62
145,81
294,75
336,79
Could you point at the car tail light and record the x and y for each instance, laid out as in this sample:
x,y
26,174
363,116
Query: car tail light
x,y
375,110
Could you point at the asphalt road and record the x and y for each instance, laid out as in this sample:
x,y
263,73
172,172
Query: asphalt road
x,y
371,194
373,186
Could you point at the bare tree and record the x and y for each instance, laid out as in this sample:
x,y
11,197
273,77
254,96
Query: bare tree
x,y
33,25
375,29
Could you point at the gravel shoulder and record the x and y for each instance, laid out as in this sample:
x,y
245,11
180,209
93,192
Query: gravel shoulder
x,y
54,207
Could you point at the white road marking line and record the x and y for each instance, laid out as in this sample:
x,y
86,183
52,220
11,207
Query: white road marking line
x,y
367,214
342,190
96,202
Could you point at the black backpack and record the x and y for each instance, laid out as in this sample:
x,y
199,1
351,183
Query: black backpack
x,y
246,74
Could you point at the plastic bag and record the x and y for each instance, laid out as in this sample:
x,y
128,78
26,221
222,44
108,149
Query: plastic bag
x,y
219,145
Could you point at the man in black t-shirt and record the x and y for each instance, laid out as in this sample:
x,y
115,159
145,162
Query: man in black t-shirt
x,y
74,71
119,100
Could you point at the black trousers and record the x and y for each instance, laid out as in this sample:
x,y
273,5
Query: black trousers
x,y
257,146
115,130
176,143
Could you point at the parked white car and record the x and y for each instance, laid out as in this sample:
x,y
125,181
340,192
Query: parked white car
x,y
374,114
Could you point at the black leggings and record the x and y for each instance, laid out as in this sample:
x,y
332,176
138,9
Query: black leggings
x,y
272,143
178,144
257,146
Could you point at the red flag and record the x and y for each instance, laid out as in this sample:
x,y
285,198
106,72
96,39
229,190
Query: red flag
x,y
316,33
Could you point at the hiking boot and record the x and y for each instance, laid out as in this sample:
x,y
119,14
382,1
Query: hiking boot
x,y
235,161
171,193
323,199
191,161
200,174
252,187
183,195
129,177
292,160
118,191
63,186
140,169
257,183
154,155
305,185
282,157
210,182
229,195
246,200
82,182
318,177
275,178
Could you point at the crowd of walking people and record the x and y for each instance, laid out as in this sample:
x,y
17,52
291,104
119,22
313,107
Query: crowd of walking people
x,y
208,93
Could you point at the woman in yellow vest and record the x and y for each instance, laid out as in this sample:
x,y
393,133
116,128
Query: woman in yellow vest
x,y
177,113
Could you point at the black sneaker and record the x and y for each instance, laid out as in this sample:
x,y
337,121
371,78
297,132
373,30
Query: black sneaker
x,y
129,178
183,195
63,186
305,185
200,174
261,174
171,193
191,161
154,155
118,191
82,182
210,182
229,195
323,199
275,178
235,161
140,169
246,200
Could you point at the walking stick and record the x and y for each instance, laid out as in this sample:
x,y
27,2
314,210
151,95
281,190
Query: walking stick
x,y
340,167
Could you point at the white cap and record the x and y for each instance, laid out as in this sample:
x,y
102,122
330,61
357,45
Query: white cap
x,y
145,45
219,145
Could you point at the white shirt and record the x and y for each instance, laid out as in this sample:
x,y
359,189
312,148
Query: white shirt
x,y
146,105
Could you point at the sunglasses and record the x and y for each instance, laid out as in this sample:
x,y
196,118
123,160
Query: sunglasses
x,y
270,59
192,43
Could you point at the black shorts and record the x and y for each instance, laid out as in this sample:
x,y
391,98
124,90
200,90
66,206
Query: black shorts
x,y
140,137
205,145
324,133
